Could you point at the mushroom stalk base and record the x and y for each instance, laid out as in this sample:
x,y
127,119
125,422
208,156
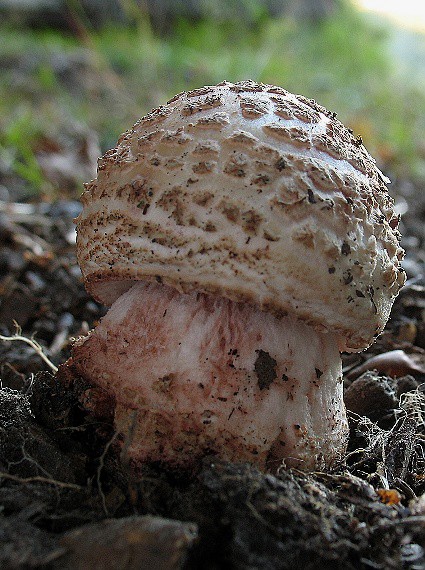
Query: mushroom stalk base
x,y
195,374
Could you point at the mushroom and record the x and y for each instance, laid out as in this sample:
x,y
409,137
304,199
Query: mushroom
x,y
242,238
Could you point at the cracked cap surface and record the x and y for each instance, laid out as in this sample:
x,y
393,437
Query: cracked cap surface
x,y
250,192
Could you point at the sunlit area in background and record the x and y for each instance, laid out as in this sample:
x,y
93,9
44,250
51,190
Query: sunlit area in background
x,y
74,75
409,13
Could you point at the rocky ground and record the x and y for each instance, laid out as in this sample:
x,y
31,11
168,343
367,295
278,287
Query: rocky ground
x,y
68,501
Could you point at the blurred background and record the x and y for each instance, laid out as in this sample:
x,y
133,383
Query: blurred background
x,y
74,74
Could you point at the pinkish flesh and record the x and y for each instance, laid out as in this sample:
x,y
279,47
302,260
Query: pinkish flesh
x,y
194,374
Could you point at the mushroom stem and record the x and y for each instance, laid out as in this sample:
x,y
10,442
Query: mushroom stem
x,y
202,374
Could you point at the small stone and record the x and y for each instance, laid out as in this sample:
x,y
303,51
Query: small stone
x,y
370,395
129,543
34,281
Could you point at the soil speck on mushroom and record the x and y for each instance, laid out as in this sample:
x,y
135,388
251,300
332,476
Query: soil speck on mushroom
x,y
265,368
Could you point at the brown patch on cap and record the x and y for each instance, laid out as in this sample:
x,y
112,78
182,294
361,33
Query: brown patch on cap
x,y
252,108
203,104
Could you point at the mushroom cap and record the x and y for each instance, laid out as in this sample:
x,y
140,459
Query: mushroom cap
x,y
253,193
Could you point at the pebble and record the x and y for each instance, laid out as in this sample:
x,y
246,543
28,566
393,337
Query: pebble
x,y
130,543
371,395
35,282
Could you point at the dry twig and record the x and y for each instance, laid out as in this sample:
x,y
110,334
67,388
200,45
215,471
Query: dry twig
x,y
32,343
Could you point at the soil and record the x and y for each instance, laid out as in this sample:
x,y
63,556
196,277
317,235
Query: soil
x,y
68,500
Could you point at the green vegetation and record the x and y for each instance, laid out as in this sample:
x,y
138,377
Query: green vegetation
x,y
53,82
